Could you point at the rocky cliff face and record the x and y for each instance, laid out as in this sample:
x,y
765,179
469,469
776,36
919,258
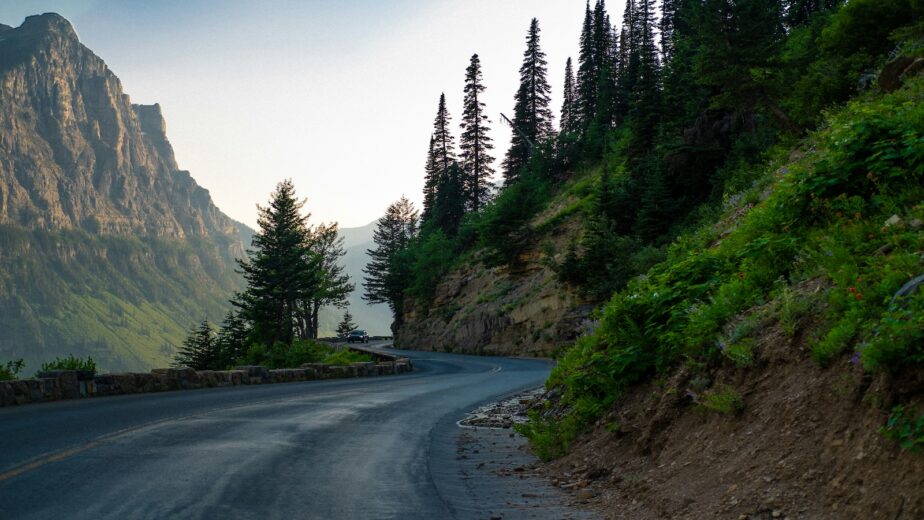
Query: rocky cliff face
x,y
75,152
108,248
511,311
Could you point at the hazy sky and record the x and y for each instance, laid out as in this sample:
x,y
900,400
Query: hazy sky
x,y
340,96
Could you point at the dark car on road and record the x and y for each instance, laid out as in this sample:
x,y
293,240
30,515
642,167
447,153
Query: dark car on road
x,y
358,336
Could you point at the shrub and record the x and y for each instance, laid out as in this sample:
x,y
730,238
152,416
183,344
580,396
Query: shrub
x,y
724,399
740,353
899,338
345,357
904,428
70,363
11,369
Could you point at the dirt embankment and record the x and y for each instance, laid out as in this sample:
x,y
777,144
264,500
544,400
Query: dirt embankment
x,y
806,445
520,310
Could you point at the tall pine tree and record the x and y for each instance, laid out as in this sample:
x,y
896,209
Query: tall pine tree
x,y
475,143
387,276
280,270
431,178
532,118
333,284
588,72
570,121
444,143
645,110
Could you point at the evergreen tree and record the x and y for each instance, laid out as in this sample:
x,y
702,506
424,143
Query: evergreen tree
x,y
645,102
440,158
736,42
668,14
334,285
606,59
449,206
199,349
532,117
798,12
444,142
475,143
588,73
386,275
346,325
232,340
569,108
281,270
431,178
629,58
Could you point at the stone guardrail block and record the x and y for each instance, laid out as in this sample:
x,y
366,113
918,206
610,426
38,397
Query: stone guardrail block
x,y
71,384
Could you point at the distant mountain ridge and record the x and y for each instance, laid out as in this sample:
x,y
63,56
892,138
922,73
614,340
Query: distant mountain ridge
x,y
111,250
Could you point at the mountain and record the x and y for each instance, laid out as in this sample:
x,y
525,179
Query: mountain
x,y
110,250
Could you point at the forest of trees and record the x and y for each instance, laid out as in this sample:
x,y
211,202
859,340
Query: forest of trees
x,y
672,104
292,271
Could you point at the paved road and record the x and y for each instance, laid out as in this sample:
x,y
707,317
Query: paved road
x,y
359,448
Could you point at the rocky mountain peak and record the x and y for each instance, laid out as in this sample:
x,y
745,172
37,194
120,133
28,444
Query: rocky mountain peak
x,y
49,23
75,153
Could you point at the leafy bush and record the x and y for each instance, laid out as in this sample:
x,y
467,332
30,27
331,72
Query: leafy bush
x,y
898,341
740,353
904,428
70,363
299,353
345,357
11,369
723,400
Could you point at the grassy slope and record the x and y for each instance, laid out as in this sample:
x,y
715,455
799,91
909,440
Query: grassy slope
x,y
819,215
125,301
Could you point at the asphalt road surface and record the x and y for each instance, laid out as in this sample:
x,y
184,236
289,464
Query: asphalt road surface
x,y
376,447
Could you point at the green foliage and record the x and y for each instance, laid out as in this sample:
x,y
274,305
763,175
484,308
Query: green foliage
x,y
503,227
740,353
11,369
898,338
388,272
298,353
835,342
69,363
345,357
200,349
57,296
724,399
817,223
792,308
904,428
431,257
346,325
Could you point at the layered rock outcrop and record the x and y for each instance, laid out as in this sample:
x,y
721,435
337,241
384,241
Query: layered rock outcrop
x,y
76,153
108,248
521,310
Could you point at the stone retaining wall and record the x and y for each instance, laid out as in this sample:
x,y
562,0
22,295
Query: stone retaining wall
x,y
72,384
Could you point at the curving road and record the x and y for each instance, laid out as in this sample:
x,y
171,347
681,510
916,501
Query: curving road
x,y
360,448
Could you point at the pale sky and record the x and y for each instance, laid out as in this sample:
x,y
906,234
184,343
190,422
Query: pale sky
x,y
340,96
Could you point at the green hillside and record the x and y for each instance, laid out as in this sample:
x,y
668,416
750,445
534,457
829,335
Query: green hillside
x,y
127,302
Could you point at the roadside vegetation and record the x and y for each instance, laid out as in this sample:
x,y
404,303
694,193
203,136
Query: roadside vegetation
x,y
734,164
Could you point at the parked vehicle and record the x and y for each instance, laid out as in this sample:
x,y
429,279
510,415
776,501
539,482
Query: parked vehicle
x,y
358,336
